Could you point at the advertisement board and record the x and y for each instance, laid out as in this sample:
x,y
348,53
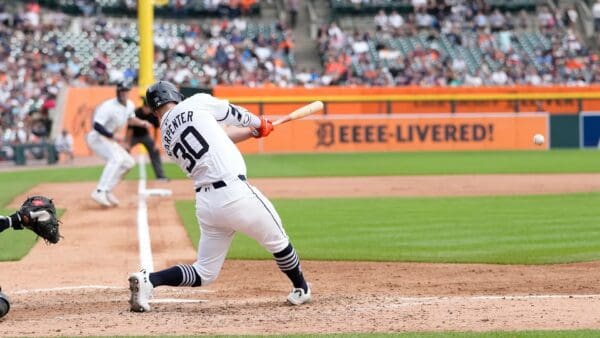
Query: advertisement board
x,y
589,126
427,132
353,132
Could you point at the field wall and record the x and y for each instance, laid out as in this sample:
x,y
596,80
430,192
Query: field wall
x,y
394,119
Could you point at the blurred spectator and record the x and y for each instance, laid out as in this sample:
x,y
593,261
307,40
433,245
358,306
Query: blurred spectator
x,y
395,20
570,17
293,6
545,18
419,4
32,16
64,144
497,21
87,7
596,14
381,20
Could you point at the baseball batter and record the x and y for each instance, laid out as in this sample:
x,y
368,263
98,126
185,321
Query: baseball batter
x,y
109,117
38,214
225,202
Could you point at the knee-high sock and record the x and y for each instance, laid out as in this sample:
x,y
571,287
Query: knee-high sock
x,y
178,275
289,263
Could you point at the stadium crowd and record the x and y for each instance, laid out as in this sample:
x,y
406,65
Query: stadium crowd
x,y
42,51
438,43
453,43
224,8
30,77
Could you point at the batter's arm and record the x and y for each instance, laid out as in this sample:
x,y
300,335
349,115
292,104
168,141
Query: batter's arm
x,y
238,134
228,114
238,116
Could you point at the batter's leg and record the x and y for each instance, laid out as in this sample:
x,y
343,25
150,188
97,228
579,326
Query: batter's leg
x,y
213,247
256,217
212,250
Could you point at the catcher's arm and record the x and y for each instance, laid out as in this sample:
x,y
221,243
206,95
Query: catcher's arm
x,y
13,221
4,223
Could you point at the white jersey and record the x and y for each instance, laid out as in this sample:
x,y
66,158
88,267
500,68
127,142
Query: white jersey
x,y
112,115
193,138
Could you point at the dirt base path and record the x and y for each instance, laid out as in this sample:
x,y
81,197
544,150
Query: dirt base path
x,y
79,286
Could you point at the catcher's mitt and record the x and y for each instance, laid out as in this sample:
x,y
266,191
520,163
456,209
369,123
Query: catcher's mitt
x,y
39,215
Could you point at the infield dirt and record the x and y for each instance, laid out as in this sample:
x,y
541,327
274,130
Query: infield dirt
x,y
79,286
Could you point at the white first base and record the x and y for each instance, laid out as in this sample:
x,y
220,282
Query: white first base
x,y
159,192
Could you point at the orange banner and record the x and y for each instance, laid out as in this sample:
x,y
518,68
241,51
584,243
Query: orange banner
x,y
405,133
79,110
358,132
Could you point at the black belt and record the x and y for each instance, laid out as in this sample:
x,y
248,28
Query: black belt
x,y
221,184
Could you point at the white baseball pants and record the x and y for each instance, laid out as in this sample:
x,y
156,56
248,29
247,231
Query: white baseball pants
x,y
118,160
235,207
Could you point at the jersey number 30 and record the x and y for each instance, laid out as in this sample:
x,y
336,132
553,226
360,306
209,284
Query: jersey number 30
x,y
185,150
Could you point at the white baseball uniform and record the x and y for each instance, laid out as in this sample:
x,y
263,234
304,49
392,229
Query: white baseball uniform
x,y
225,201
112,115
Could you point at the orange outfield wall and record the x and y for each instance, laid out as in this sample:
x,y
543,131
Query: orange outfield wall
x,y
562,106
79,110
346,133
404,133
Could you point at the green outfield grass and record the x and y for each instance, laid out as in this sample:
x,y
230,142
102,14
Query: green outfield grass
x,y
508,230
351,164
419,163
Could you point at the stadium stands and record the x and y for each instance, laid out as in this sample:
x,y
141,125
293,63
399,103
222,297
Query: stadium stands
x,y
466,43
48,44
166,8
42,51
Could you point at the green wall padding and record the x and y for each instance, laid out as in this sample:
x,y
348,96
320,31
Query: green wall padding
x,y
564,131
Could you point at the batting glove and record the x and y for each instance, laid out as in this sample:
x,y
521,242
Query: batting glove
x,y
266,127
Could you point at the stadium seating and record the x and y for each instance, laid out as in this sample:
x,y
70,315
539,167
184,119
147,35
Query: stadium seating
x,y
346,7
193,8
518,48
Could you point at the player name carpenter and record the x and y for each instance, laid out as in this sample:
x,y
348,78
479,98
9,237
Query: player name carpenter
x,y
329,133
171,126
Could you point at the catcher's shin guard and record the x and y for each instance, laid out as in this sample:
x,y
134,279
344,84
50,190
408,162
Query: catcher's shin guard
x,y
4,304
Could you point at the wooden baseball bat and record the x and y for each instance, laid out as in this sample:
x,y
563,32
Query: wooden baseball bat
x,y
301,112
